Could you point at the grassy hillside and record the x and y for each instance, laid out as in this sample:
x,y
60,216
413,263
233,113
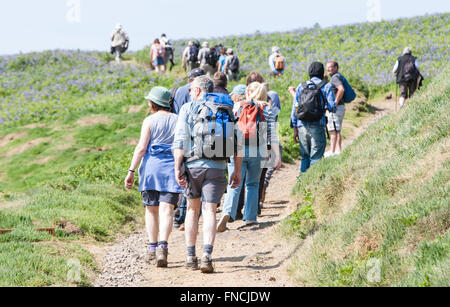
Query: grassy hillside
x,y
384,201
366,53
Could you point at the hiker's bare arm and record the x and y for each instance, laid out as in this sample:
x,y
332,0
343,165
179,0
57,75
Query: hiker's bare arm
x,y
235,178
278,156
179,160
293,91
296,138
139,152
340,94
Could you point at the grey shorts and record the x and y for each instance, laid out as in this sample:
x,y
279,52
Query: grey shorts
x,y
335,120
153,198
209,184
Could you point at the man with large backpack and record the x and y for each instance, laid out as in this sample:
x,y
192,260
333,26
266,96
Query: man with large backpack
x,y
208,59
119,42
343,93
204,141
312,99
407,70
277,62
169,54
232,66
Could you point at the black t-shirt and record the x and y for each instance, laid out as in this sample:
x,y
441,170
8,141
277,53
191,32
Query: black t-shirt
x,y
336,82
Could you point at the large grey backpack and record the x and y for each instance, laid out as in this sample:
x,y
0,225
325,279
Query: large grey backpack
x,y
213,136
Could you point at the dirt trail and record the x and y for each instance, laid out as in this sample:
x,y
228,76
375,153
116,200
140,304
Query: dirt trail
x,y
243,256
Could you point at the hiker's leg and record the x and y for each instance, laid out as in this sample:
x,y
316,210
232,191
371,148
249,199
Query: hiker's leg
x,y
318,143
191,222
165,221
253,177
183,207
152,223
305,148
412,88
262,185
333,140
403,94
209,223
339,142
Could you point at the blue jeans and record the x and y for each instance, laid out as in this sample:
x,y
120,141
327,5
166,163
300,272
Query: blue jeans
x,y
312,144
251,171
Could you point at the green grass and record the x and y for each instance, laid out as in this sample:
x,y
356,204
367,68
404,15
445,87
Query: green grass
x,y
384,198
76,173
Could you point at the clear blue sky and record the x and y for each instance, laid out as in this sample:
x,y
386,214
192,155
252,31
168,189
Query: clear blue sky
x,y
29,25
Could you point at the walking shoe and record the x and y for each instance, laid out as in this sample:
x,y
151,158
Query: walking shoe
x,y
206,265
161,257
328,154
251,223
150,257
192,263
222,227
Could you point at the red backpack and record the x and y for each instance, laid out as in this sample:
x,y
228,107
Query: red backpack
x,y
249,117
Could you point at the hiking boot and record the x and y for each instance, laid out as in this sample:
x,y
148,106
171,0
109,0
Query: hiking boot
x,y
222,227
192,263
150,257
161,257
206,265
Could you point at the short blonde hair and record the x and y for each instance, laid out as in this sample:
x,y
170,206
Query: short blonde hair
x,y
257,92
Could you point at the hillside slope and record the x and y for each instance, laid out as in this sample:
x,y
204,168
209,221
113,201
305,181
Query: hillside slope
x,y
69,121
379,214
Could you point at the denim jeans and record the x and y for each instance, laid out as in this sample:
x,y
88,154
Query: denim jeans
x,y
312,144
251,171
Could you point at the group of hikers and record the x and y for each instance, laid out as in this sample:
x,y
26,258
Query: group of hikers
x,y
202,142
211,59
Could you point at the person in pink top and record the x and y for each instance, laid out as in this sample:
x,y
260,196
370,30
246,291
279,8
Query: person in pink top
x,y
157,54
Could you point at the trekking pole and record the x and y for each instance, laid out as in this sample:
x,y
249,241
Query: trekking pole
x,y
396,98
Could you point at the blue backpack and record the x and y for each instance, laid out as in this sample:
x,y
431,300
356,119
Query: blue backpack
x,y
213,134
349,94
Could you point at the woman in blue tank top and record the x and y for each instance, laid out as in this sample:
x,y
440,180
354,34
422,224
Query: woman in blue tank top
x,y
160,191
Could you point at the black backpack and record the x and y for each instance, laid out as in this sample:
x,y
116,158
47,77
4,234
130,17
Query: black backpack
x,y
172,98
193,54
234,64
410,71
211,57
311,106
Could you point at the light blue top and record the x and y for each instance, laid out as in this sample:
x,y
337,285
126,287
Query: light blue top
x,y
329,104
157,171
272,64
222,60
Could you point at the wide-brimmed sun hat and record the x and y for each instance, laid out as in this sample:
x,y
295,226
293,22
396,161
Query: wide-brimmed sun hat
x,y
160,95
